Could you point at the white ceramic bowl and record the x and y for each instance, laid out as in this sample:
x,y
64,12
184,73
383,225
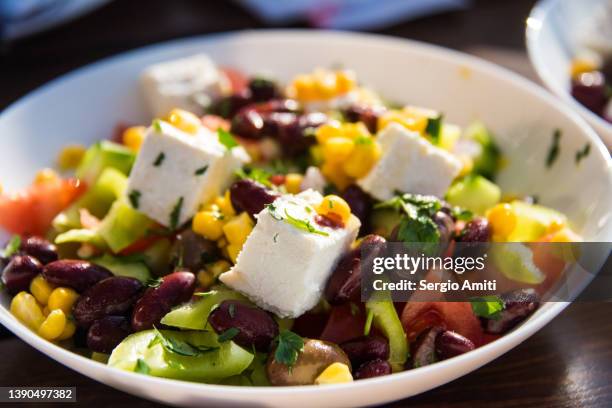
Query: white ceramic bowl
x,y
84,106
555,35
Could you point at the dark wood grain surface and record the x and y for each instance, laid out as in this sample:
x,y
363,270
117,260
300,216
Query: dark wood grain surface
x,y
567,364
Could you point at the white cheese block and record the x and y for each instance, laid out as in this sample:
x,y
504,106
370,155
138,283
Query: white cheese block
x,y
283,268
410,164
187,83
175,172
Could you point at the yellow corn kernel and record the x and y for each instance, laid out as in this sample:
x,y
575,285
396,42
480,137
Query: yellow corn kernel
x,y
45,176
328,131
25,308
222,242
364,156
41,289
53,326
292,182
337,149
205,279
70,156
232,251
565,235
62,298
218,267
582,65
46,311
303,87
325,83
238,229
355,130
409,120
133,137
209,224
225,204
68,332
336,207
334,173
335,373
184,120
346,81
503,220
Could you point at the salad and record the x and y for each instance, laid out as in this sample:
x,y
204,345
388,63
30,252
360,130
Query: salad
x,y
221,243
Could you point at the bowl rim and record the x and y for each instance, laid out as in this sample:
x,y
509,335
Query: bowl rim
x,y
473,359
533,26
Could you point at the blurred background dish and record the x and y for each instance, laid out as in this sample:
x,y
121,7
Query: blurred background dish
x,y
570,44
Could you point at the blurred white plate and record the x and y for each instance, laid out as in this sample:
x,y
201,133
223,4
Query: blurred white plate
x,y
555,35
85,106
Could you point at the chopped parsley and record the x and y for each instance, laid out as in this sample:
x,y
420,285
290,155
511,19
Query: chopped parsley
x,y
175,215
256,174
226,139
12,246
461,214
289,347
434,128
142,367
154,282
488,307
554,150
160,159
228,334
134,198
201,170
275,238
582,153
179,347
304,225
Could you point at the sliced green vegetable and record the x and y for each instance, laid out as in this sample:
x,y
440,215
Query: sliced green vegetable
x,y
103,155
123,226
385,318
533,221
82,236
12,246
487,162
124,267
212,362
515,261
487,306
475,193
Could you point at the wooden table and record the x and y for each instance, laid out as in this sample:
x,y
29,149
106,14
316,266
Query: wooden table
x,y
567,364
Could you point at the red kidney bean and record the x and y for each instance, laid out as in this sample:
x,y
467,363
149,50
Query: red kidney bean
x,y
278,105
256,328
258,120
450,344
518,306
424,352
476,230
105,334
174,289
368,115
228,106
75,274
590,90
373,368
344,285
193,251
19,272
366,348
40,249
446,226
263,89
360,203
296,137
110,296
248,123
251,196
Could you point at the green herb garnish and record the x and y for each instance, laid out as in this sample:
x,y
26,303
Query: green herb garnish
x,y
154,282
159,160
289,347
157,125
179,347
256,174
12,246
201,170
275,238
582,153
553,151
134,198
489,307
434,127
228,334
304,225
142,367
175,215
226,139
461,214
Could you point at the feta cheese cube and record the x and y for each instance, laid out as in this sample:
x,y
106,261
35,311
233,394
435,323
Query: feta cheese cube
x,y
187,83
410,164
284,268
175,172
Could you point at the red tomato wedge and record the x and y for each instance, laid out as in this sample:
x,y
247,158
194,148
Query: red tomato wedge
x,y
455,316
237,79
140,246
344,324
31,211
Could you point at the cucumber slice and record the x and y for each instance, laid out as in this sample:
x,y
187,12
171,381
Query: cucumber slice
x,y
122,267
224,360
123,226
515,261
474,193
103,155
385,318
533,221
194,315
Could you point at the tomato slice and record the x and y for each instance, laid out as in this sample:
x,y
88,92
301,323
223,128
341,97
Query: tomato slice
x,y
455,316
237,79
141,245
30,212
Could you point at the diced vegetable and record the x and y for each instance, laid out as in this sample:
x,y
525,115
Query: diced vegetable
x,y
487,162
534,221
515,261
207,360
474,193
386,320
123,226
124,267
101,156
82,236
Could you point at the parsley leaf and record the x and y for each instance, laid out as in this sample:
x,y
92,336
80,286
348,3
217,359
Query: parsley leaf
x,y
228,334
553,151
160,159
289,347
12,246
256,174
304,225
201,170
175,215
142,367
434,128
226,139
582,153
462,214
488,307
134,198
179,347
